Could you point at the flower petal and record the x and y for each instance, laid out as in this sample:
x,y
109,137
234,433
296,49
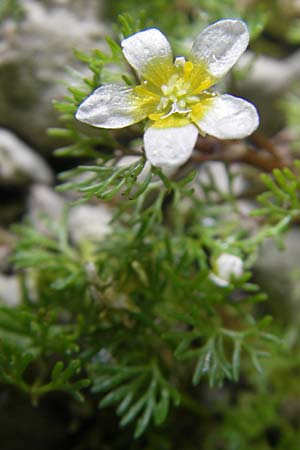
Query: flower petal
x,y
217,280
114,106
150,54
229,117
220,45
228,265
170,147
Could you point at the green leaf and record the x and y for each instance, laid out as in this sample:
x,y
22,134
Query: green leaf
x,y
161,408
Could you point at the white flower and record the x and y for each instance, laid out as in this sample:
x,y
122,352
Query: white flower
x,y
89,222
176,96
226,266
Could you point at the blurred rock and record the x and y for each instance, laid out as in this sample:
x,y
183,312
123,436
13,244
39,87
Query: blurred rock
x,y
10,291
85,222
44,204
89,222
11,210
33,59
278,273
215,173
81,8
269,80
19,164
288,7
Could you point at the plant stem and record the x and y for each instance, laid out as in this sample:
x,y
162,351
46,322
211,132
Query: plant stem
x,y
265,156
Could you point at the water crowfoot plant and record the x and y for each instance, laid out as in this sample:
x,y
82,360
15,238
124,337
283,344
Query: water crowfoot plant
x,y
226,266
163,306
176,97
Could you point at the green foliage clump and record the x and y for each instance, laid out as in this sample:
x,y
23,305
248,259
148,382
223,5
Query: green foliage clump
x,y
11,9
135,319
185,18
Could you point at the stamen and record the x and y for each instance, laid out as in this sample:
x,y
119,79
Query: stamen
x,y
181,92
155,116
165,89
173,79
172,111
188,67
178,94
179,61
193,98
163,103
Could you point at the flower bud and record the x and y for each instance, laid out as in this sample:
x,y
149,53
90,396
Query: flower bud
x,y
226,266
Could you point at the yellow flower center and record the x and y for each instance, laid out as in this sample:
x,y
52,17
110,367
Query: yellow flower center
x,y
182,98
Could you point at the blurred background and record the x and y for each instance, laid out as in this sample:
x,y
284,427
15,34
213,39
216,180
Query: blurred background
x,y
37,64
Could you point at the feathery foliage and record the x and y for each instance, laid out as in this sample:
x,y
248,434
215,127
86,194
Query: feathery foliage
x,y
129,317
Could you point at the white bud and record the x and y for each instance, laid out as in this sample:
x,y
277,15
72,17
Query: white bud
x,y
225,267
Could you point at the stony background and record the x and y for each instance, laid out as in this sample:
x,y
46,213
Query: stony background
x,y
34,54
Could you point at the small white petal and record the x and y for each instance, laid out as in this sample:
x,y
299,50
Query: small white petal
x,y
148,50
228,265
229,118
170,147
217,280
220,45
111,106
